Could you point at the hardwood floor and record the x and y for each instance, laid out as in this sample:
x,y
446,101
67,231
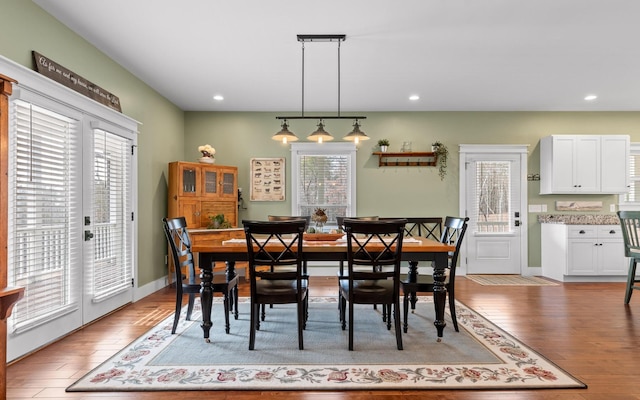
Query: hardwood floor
x,y
582,327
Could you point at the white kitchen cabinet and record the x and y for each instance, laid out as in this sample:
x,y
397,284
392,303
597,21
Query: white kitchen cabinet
x,y
615,150
582,250
584,164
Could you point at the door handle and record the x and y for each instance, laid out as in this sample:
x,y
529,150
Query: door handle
x,y
88,235
517,223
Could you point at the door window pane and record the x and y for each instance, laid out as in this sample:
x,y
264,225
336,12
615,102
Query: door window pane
x,y
493,191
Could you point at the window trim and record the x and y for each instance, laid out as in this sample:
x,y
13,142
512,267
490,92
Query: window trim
x,y
305,149
634,149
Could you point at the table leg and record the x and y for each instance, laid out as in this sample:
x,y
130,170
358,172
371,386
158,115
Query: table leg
x,y
206,295
412,277
230,275
439,291
410,294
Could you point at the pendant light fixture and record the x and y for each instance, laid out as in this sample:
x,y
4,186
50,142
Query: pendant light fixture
x,y
356,135
285,135
320,135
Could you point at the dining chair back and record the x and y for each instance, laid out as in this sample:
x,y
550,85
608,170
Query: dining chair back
x,y
374,251
176,232
340,220
306,218
274,247
427,227
630,223
453,233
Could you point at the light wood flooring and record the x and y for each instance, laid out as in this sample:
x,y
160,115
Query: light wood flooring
x,y
582,327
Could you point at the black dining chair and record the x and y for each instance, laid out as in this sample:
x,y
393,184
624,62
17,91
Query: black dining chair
x,y
175,230
374,251
340,220
454,230
273,248
426,227
306,218
630,223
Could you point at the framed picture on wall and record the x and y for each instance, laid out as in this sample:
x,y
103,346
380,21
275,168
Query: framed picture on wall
x,y
267,179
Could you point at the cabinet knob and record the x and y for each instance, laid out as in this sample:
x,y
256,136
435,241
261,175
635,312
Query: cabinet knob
x,y
612,232
582,232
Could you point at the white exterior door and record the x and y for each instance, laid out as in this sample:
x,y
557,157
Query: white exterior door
x,y
107,221
493,196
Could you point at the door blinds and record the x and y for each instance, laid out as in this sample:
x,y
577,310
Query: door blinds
x,y
44,188
492,206
111,270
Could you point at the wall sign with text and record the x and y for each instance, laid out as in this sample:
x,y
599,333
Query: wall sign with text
x,y
267,179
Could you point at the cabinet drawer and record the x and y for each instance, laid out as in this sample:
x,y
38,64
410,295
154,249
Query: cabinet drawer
x,y
610,232
582,231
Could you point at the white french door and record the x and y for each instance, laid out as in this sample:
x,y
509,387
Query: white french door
x,y
71,232
493,191
107,221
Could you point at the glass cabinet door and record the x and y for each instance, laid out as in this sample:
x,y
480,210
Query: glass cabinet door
x,y
228,183
210,182
189,177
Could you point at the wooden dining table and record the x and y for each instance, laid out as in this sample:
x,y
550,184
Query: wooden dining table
x,y
231,251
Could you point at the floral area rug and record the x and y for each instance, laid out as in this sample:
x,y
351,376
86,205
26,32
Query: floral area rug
x,y
480,356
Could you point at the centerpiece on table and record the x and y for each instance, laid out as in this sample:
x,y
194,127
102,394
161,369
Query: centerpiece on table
x,y
208,153
319,216
316,233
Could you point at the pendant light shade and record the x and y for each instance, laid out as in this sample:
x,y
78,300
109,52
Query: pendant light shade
x,y
285,135
320,135
356,135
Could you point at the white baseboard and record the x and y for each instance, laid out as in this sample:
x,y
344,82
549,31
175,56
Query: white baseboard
x,y
151,287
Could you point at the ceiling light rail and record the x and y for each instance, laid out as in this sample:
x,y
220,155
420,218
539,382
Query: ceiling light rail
x,y
320,135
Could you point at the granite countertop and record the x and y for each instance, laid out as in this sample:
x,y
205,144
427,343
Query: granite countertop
x,y
579,219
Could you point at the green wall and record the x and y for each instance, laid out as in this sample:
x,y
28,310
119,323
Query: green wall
x,y
404,191
26,27
168,134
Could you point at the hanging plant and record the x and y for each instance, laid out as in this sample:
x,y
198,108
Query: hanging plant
x,y
442,153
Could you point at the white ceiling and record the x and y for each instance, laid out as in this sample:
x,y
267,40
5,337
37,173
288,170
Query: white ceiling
x,y
479,55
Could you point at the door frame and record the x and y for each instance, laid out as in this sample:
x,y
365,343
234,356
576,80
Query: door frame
x,y
516,149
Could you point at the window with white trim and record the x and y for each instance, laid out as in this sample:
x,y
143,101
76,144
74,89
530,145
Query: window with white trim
x,y
323,176
631,199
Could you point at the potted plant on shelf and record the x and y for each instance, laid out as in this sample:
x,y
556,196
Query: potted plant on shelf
x,y
384,144
441,152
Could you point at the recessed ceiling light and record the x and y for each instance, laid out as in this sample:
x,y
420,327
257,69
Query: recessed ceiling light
x,y
414,97
218,97
591,97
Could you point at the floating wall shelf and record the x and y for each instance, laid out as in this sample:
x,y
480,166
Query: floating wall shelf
x,y
407,159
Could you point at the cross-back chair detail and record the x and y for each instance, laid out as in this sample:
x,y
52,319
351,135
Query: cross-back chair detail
x,y
374,251
427,227
274,248
630,223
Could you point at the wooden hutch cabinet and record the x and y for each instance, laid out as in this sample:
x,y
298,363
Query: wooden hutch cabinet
x,y
198,191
